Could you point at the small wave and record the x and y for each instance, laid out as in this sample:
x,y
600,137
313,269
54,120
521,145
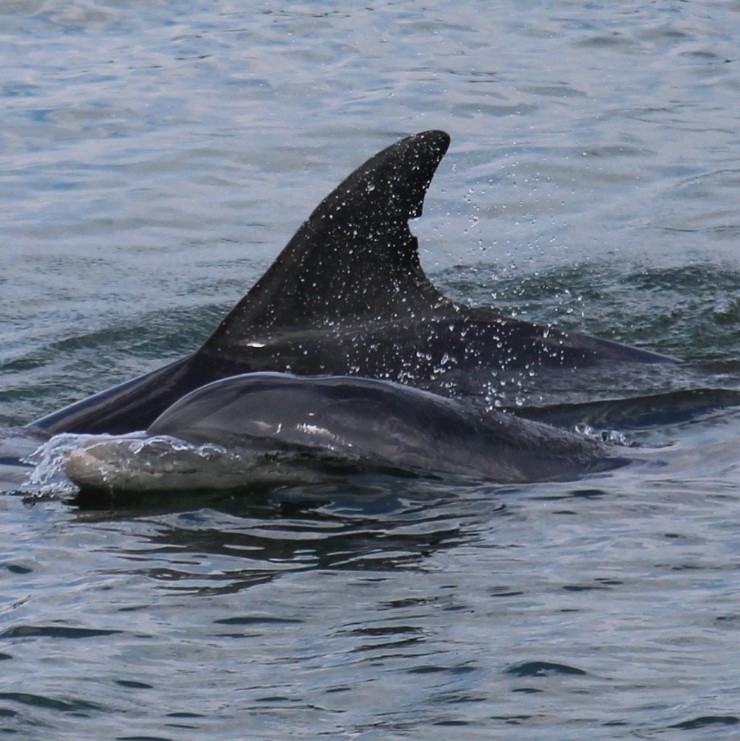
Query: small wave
x,y
47,477
78,707
54,631
706,721
543,669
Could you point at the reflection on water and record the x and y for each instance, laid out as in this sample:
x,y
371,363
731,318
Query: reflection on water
x,y
257,535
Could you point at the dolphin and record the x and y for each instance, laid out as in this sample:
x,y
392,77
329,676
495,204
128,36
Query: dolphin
x,y
348,296
350,418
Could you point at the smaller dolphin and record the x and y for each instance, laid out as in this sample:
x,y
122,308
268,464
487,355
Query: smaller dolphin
x,y
351,418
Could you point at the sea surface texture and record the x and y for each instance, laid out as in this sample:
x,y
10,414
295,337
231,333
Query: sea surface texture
x,y
156,156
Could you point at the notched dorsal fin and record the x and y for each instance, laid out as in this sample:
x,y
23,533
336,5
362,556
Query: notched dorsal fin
x,y
355,257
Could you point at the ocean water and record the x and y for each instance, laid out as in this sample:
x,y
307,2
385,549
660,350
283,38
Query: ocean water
x,y
157,156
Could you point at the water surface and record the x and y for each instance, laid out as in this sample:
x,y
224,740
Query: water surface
x,y
157,156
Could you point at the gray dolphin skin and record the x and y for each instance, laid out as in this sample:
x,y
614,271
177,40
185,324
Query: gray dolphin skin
x,y
348,296
359,419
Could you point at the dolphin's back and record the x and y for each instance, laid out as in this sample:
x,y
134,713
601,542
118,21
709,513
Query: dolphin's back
x,y
377,420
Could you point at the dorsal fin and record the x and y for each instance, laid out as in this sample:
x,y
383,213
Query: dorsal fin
x,y
355,257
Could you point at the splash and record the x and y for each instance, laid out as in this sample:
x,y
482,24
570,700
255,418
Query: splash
x,y
47,478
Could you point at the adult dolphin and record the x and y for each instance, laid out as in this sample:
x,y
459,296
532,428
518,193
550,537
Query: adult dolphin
x,y
347,295
354,419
